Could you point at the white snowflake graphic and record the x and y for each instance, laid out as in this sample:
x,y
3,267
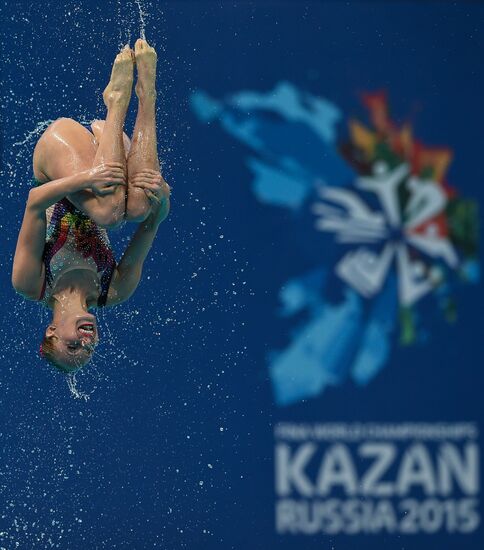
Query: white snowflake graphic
x,y
346,214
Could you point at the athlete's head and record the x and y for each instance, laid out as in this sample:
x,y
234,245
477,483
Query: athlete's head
x,y
69,342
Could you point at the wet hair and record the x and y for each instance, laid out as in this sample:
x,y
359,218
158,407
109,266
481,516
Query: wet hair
x,y
47,352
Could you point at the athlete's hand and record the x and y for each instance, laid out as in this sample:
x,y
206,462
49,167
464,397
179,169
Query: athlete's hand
x,y
157,191
105,178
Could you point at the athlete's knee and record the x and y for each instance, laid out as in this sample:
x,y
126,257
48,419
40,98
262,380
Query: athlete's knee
x,y
65,121
110,215
108,220
60,124
137,211
58,128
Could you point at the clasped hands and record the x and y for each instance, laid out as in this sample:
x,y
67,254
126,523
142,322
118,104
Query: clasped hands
x,y
105,178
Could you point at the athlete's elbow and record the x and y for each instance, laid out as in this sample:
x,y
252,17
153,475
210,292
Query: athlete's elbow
x,y
126,284
16,279
21,288
110,216
34,200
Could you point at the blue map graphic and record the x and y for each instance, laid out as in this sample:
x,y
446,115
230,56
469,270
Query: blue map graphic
x,y
293,136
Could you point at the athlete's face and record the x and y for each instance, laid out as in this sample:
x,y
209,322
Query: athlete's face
x,y
73,340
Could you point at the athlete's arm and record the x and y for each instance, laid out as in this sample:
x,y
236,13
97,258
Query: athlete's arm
x,y
101,180
28,269
128,272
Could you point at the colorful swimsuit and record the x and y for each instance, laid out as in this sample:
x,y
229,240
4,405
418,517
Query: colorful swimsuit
x,y
74,241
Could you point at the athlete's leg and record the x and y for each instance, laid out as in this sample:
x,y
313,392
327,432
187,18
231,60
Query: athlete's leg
x,y
143,151
97,127
66,147
111,146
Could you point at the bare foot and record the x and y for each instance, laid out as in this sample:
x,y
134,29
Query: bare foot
x,y
145,57
119,87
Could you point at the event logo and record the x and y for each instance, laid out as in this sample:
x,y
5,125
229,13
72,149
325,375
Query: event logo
x,y
388,228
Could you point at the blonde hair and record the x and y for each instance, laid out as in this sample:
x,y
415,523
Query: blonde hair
x,y
47,352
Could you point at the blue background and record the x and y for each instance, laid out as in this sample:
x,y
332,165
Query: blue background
x,y
174,448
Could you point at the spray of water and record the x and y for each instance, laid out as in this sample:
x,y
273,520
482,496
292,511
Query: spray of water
x,y
142,20
75,392
39,128
29,137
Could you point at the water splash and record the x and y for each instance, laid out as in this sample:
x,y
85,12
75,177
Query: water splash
x,y
43,125
39,128
142,21
72,384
